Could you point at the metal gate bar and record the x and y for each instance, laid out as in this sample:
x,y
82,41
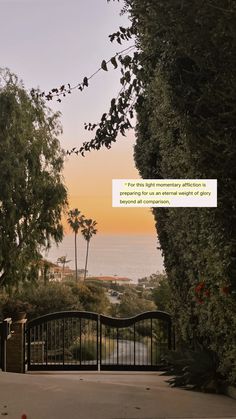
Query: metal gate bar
x,y
76,340
141,341
63,341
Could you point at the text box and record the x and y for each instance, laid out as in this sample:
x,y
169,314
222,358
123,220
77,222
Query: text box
x,y
164,193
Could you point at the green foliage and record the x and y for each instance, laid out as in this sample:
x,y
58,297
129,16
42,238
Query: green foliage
x,y
196,369
185,129
32,193
88,229
104,65
162,296
11,307
49,299
92,297
152,281
75,220
88,350
43,299
131,303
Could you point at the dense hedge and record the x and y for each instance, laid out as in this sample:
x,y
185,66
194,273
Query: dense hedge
x,y
186,129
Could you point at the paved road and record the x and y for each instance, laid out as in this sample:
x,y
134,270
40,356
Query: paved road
x,y
105,396
126,354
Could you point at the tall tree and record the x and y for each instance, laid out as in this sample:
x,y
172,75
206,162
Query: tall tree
x,y
88,231
76,221
32,193
186,129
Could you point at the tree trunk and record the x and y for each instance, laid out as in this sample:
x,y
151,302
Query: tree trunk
x,y
76,268
86,260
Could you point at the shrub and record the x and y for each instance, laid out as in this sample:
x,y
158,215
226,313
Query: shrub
x,y
40,300
14,308
196,369
88,349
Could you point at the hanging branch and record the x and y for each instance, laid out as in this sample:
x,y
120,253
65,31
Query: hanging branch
x,y
64,89
117,119
122,108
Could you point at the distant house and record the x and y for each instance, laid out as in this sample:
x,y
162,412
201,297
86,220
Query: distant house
x,y
49,271
111,279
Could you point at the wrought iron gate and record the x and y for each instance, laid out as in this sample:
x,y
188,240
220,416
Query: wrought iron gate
x,y
137,343
76,340
63,341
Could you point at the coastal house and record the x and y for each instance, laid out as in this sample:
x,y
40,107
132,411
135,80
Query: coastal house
x,y
49,271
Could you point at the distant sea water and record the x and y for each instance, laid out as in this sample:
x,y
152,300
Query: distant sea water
x,y
131,256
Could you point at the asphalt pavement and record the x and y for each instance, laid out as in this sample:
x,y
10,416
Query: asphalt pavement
x,y
105,395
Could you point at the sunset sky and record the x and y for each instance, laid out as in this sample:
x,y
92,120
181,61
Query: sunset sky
x,y
50,42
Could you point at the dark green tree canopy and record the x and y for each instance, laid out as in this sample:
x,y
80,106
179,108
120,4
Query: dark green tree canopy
x,y
32,192
186,129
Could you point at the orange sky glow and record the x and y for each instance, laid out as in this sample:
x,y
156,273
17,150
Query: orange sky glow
x,y
89,182
74,41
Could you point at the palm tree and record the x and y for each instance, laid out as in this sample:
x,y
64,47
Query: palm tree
x,y
76,221
88,230
63,260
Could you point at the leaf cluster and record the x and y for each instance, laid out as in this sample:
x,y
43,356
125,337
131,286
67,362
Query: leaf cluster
x,y
194,369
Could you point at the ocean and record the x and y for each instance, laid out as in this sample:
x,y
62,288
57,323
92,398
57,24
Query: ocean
x,y
131,256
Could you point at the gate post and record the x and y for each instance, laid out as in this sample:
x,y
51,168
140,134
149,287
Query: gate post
x,y
16,348
5,334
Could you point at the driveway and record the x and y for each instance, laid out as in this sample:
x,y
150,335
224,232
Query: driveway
x,y
126,354
103,395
